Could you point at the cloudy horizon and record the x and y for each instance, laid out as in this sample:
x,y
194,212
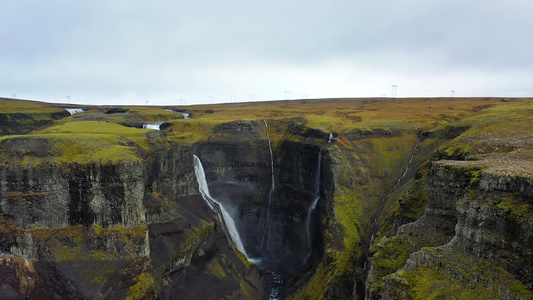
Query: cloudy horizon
x,y
175,52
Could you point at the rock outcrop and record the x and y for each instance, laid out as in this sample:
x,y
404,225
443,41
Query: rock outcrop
x,y
474,239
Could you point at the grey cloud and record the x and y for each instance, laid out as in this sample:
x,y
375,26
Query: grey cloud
x,y
171,46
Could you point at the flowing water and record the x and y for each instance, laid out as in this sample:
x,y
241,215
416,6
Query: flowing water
x,y
272,188
74,111
185,115
374,225
155,125
312,208
273,282
226,219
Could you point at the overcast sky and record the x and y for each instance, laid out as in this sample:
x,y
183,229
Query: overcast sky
x,y
130,52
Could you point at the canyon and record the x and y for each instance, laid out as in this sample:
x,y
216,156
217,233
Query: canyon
x,y
311,199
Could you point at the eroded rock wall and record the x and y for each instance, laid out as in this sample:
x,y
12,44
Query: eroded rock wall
x,y
474,238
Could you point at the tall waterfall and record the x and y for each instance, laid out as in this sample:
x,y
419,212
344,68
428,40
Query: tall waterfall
x,y
272,187
312,207
226,219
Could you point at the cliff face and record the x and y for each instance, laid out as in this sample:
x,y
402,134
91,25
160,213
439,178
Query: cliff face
x,y
479,242
265,194
85,221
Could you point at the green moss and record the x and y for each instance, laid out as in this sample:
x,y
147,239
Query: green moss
x,y
143,289
72,243
412,202
347,213
195,238
316,286
517,210
191,131
456,275
214,269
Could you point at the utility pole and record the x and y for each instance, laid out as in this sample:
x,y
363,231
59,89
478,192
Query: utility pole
x,y
211,99
146,102
452,94
14,96
394,88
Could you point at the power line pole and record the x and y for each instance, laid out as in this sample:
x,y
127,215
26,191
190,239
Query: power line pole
x,y
452,94
211,99
394,88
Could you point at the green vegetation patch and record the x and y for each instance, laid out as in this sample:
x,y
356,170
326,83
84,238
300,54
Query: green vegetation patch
x,y
317,285
74,243
517,210
85,142
191,131
27,107
452,274
145,288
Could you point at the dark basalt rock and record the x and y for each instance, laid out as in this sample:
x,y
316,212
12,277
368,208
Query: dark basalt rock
x,y
116,110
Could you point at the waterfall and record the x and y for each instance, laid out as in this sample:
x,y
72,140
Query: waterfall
x,y
225,218
330,138
74,111
312,208
272,186
155,125
185,115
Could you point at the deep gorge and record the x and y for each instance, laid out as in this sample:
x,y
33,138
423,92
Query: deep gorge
x,y
259,205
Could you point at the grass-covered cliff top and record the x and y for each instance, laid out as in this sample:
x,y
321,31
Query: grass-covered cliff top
x,y
491,124
344,115
26,107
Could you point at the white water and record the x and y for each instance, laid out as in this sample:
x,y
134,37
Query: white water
x,y
185,115
330,139
225,217
74,111
312,207
155,125
272,186
277,282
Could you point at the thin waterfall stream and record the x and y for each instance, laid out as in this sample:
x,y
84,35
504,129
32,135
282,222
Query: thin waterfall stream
x,y
275,246
272,188
374,227
312,208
